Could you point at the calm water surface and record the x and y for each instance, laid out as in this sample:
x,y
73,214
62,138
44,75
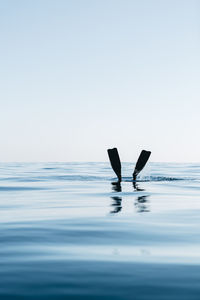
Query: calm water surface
x,y
66,232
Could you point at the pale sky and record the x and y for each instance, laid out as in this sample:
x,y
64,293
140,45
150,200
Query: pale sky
x,y
80,76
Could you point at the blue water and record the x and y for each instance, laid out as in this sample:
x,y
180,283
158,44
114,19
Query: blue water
x,y
67,232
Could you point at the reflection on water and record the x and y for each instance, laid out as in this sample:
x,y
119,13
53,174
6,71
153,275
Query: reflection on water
x,y
141,202
116,186
117,204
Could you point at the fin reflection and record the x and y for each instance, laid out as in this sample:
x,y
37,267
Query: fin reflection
x,y
141,203
116,186
116,204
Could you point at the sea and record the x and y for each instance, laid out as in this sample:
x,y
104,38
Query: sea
x,y
69,231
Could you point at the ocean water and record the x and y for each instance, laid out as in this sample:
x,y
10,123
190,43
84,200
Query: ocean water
x,y
68,232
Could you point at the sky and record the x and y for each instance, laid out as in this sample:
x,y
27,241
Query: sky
x,y
78,77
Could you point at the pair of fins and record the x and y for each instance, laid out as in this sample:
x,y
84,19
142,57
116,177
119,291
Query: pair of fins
x,y
116,163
